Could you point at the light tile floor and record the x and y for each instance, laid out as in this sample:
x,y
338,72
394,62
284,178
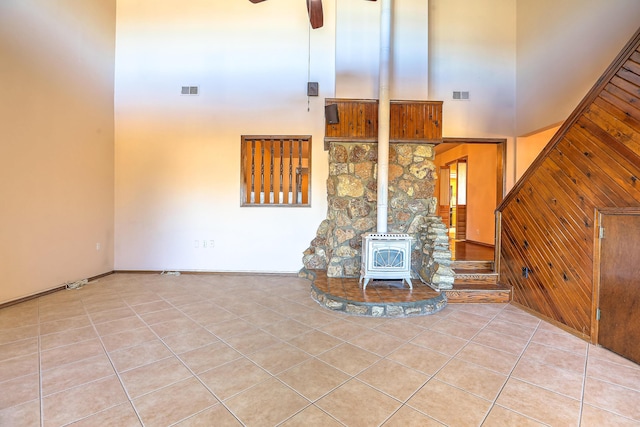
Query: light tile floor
x,y
225,350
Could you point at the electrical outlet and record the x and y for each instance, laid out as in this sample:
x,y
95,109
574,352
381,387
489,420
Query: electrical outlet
x,y
211,243
98,246
204,244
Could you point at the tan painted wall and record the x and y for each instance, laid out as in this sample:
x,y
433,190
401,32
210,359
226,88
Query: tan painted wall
x,y
481,188
530,146
56,143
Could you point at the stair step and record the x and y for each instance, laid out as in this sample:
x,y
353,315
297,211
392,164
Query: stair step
x,y
475,277
478,293
472,265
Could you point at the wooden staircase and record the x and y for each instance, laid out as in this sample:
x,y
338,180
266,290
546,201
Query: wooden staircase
x,y
476,282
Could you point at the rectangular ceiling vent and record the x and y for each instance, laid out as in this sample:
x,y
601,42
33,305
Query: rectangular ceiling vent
x,y
189,90
461,95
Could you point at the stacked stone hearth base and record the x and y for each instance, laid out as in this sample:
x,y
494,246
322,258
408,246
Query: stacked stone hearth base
x,y
382,298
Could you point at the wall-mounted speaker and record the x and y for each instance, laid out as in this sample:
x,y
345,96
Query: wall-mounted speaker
x,y
312,89
331,114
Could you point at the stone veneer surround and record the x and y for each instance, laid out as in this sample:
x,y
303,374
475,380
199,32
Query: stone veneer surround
x,y
352,197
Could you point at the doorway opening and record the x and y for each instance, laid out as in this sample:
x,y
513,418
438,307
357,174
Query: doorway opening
x,y
453,200
471,185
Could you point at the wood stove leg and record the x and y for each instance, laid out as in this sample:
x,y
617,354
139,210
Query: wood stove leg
x,y
409,282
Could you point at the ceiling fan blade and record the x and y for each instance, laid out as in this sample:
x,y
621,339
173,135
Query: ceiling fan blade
x,y
314,7
256,1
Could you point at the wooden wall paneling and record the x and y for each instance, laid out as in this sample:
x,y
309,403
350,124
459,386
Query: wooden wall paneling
x,y
401,122
627,80
530,291
618,169
594,176
353,116
436,118
545,290
605,139
581,212
633,63
614,127
371,120
556,196
524,229
623,118
357,117
620,122
573,234
622,101
418,121
553,244
544,245
569,185
625,89
629,75
592,162
562,232
593,195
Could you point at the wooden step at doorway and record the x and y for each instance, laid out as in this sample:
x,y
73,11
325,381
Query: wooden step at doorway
x,y
476,282
475,277
472,265
478,293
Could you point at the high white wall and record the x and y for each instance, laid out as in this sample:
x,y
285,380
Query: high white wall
x,y
564,46
472,48
358,49
56,143
178,157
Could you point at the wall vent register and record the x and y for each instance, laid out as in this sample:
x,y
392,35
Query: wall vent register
x,y
189,90
461,95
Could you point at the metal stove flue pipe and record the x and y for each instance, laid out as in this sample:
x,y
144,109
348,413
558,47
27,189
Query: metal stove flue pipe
x,y
384,118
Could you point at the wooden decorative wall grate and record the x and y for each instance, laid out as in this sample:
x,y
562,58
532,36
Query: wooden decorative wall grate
x,y
275,170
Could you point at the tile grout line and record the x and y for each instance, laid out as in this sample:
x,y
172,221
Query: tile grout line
x,y
584,385
40,396
511,373
451,357
117,374
610,410
197,377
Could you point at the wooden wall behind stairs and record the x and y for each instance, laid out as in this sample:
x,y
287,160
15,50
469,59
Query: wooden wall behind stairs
x,y
546,223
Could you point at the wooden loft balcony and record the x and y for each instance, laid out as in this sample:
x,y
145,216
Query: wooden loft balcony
x,y
356,120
